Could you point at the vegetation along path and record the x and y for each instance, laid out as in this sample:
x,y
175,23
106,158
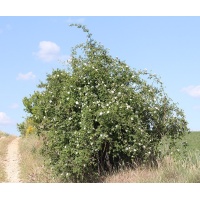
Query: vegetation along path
x,y
12,162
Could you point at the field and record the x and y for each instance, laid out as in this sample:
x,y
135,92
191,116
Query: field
x,y
184,168
193,140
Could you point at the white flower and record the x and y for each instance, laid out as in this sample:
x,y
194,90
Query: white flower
x,y
108,111
128,106
134,149
101,113
77,102
50,101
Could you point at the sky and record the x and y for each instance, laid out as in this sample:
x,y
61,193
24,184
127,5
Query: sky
x,y
31,47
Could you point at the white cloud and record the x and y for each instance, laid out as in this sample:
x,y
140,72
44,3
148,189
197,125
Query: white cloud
x,y
48,51
193,91
4,119
28,76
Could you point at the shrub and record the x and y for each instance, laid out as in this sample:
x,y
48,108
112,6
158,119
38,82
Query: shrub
x,y
100,114
27,127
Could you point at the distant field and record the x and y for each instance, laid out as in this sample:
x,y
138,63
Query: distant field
x,y
193,140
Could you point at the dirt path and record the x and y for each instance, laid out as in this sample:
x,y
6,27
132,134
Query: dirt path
x,y
12,162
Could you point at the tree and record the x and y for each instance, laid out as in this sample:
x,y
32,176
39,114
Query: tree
x,y
101,114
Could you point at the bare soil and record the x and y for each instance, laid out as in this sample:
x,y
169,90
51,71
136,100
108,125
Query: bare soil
x,y
12,162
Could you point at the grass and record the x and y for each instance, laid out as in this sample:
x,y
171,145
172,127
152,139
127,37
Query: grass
x,y
193,140
3,134
32,163
5,139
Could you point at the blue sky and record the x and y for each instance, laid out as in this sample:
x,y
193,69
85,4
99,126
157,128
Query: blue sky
x,y
30,47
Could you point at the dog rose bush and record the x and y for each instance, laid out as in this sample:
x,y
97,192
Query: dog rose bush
x,y
100,114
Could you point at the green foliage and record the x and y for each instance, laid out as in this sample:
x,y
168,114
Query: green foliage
x,y
101,114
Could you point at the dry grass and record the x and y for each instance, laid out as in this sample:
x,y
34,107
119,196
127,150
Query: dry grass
x,y
4,141
32,162
180,169
169,170
3,134
131,176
